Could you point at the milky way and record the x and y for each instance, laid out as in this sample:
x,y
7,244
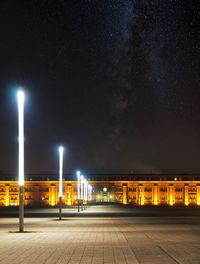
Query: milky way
x,y
116,81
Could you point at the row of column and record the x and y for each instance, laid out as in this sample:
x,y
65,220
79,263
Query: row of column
x,y
53,195
140,194
171,198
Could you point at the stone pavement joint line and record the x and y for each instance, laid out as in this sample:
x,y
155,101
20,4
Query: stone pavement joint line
x,y
103,240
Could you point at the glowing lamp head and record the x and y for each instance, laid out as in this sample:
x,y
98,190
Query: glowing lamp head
x,y
20,97
61,149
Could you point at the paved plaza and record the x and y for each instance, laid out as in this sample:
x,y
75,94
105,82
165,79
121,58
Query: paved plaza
x,y
141,239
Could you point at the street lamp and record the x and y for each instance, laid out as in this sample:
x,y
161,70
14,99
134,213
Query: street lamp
x,y
82,191
20,101
61,150
85,192
78,189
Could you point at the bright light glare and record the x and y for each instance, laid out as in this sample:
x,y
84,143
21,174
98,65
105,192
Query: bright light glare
x,y
61,150
20,100
78,184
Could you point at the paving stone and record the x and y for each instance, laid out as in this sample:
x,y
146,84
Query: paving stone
x,y
102,240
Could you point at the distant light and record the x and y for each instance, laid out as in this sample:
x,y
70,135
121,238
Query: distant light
x,y
61,150
20,100
105,189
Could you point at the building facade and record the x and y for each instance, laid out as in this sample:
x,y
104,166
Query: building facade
x,y
138,190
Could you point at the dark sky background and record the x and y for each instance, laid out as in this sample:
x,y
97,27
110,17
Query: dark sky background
x,y
115,81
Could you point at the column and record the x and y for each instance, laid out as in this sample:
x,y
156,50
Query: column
x,y
143,198
69,195
171,194
186,196
141,194
140,191
125,193
198,194
7,198
72,195
52,195
155,194
137,194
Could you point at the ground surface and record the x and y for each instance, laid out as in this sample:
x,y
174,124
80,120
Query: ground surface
x,y
143,238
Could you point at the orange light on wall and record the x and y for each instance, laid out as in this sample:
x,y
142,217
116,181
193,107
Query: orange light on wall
x,y
186,197
53,196
7,198
198,195
7,201
171,195
125,194
69,198
171,200
155,195
142,196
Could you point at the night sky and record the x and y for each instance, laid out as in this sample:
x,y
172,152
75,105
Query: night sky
x,y
115,81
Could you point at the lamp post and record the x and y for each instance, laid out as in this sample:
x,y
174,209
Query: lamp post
x,y
82,191
85,193
61,150
20,101
78,189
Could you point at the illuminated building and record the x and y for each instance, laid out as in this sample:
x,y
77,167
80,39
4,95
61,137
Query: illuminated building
x,y
125,189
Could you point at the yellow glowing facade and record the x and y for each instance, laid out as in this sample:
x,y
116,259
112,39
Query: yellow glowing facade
x,y
132,191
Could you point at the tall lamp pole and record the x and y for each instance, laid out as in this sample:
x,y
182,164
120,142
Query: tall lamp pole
x,y
61,150
78,189
85,193
20,101
82,191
